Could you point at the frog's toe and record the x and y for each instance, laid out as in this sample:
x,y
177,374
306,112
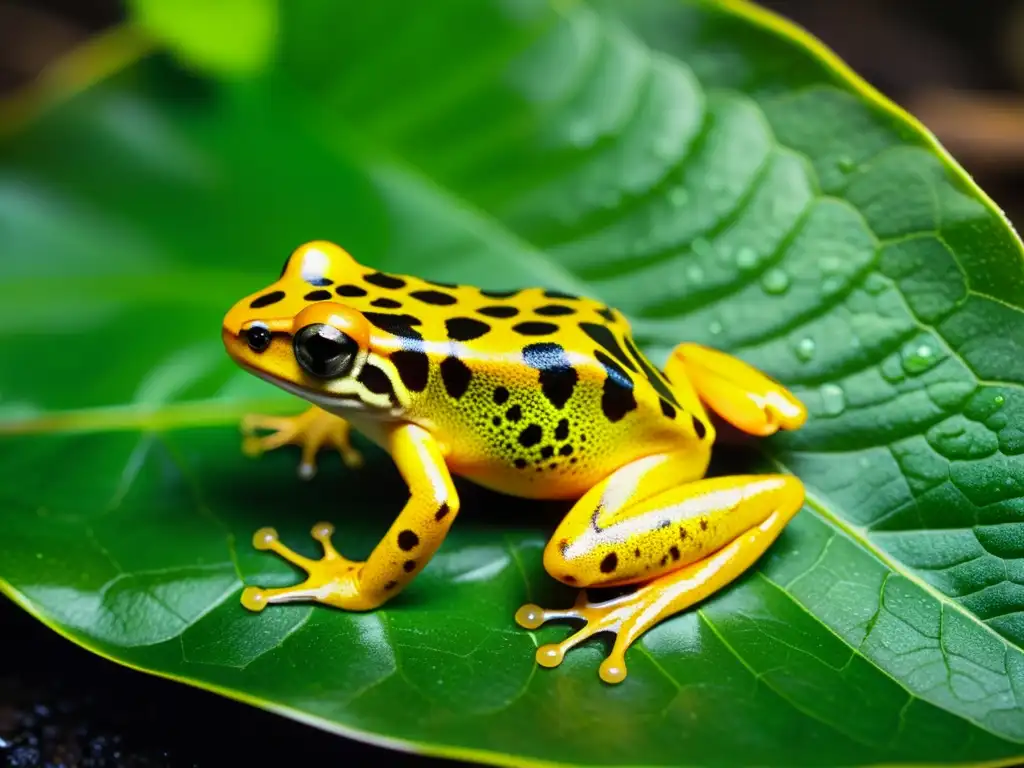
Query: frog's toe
x,y
282,432
254,599
615,616
312,431
530,616
330,579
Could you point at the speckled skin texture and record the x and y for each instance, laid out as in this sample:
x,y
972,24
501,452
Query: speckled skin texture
x,y
533,392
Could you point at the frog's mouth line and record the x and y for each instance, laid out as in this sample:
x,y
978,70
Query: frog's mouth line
x,y
331,404
347,401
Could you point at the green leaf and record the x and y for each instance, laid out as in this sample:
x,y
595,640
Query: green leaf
x,y
231,37
706,167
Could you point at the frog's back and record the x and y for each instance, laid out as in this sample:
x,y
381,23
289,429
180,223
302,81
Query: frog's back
x,y
534,392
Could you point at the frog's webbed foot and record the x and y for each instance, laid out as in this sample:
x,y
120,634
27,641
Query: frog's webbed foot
x,y
622,616
630,615
333,579
312,431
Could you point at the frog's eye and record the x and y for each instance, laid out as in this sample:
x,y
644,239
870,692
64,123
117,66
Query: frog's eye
x,y
258,337
324,351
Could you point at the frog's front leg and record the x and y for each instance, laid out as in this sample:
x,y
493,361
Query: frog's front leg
x,y
680,543
406,548
312,430
736,391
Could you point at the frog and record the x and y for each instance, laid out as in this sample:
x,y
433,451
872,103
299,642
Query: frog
x,y
535,393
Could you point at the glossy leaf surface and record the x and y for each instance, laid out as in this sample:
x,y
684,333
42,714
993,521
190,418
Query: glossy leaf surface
x,y
700,165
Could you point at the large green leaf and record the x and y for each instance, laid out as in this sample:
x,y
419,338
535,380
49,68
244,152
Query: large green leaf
x,y
706,167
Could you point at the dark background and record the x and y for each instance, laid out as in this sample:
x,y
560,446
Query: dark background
x,y
956,65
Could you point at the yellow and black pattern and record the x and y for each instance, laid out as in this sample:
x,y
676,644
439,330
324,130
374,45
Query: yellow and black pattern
x,y
534,380
532,392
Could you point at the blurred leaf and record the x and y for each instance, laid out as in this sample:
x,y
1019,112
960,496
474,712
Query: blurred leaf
x,y
226,36
702,165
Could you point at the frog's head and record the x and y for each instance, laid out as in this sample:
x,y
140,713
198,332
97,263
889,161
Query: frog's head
x,y
298,334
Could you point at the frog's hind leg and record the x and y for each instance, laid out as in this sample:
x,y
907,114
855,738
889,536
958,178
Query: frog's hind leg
x,y
313,430
736,391
681,544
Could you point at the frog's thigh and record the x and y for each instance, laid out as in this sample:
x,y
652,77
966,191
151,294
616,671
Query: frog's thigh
x,y
638,527
736,391
694,520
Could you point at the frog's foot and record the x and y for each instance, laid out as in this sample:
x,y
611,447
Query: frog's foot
x,y
312,431
623,616
739,393
333,579
630,615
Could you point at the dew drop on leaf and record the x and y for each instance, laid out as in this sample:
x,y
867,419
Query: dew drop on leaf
x,y
805,349
715,328
694,274
746,258
679,197
891,371
833,400
775,282
918,358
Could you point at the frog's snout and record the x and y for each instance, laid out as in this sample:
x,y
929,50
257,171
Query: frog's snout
x,y
229,338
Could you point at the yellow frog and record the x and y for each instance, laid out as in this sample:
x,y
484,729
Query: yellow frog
x,y
530,392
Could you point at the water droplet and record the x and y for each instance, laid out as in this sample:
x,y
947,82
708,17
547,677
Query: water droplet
x,y
891,371
864,461
694,273
918,358
833,400
999,400
715,328
775,282
805,349
679,197
846,164
746,258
